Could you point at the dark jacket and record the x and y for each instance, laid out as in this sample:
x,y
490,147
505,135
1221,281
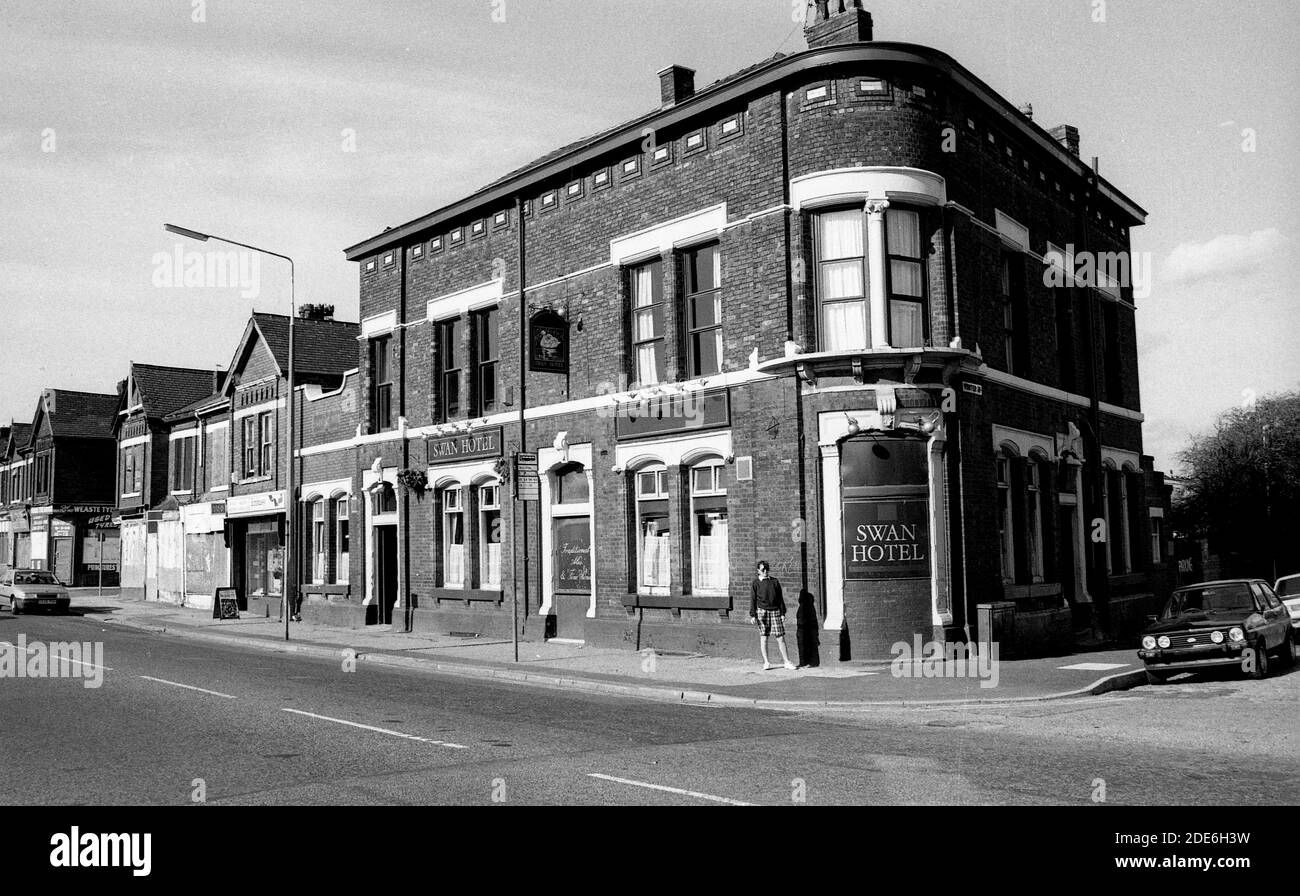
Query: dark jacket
x,y
765,594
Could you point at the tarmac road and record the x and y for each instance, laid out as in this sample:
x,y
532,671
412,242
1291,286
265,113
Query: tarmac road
x,y
176,719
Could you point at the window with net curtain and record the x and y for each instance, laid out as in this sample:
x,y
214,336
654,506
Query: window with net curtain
x,y
709,521
342,540
489,506
654,531
842,280
453,537
906,279
648,344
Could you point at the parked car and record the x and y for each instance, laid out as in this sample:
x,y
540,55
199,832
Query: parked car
x,y
1288,589
1214,624
33,589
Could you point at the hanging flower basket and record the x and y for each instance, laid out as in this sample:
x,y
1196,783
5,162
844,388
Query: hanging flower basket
x,y
413,480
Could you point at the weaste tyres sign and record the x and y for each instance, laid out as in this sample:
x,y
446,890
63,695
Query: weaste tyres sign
x,y
886,539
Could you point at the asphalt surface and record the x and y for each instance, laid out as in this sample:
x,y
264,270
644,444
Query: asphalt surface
x,y
270,728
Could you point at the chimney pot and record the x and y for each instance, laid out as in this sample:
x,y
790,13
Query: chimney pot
x,y
676,84
1027,110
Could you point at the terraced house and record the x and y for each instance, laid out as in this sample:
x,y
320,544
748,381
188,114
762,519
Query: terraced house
x,y
826,315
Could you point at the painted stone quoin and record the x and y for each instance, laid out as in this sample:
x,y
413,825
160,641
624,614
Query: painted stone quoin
x,y
811,323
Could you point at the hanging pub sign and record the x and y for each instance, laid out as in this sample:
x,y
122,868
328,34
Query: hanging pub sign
x,y
886,539
548,342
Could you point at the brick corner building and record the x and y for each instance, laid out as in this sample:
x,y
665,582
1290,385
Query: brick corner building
x,y
838,315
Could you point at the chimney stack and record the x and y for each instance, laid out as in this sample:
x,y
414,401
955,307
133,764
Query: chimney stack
x,y
1027,110
676,85
838,22
1068,136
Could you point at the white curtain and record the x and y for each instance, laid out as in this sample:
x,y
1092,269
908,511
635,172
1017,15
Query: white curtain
x,y
904,231
844,326
654,558
492,565
455,573
908,330
711,570
647,368
840,235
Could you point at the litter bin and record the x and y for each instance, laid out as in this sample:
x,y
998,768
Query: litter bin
x,y
996,624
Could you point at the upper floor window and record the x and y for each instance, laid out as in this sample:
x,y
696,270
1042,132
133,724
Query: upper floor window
x,y
249,427
182,464
132,470
646,283
259,445
704,311
1014,311
43,474
906,278
841,283
381,384
487,360
451,337
266,457
1110,353
217,461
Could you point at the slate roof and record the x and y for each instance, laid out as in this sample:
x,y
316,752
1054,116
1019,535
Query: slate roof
x,y
208,401
80,415
164,390
321,347
21,433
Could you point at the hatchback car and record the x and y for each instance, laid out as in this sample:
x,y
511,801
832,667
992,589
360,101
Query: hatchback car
x,y
33,589
1215,624
1288,589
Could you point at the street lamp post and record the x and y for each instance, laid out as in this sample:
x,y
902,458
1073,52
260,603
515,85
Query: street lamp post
x,y
290,583
1269,541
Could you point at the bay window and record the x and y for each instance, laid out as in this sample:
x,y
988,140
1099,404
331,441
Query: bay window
x,y
906,279
840,245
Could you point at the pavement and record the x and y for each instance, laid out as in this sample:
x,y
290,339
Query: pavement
x,y
646,675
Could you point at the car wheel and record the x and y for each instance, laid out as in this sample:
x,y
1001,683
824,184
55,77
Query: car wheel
x,y
1260,669
1287,655
13,607
1157,677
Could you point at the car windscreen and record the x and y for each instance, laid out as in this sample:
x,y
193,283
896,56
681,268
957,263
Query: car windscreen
x,y
1235,598
1289,587
34,578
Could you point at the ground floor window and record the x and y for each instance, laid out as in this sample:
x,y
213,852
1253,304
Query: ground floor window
x,y
654,531
489,512
342,540
453,538
710,557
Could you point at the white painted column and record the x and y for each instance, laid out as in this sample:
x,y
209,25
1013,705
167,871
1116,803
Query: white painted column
x,y
939,596
1080,540
878,262
833,537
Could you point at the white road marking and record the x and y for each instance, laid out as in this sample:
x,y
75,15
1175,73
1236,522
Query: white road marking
x,y
677,790
423,740
189,687
1096,667
63,659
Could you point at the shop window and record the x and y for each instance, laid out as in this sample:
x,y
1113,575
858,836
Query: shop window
x,y
453,538
703,311
489,536
648,343
342,541
906,278
710,557
654,529
840,247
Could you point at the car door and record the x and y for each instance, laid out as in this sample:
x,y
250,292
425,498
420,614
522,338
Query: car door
x,y
1277,614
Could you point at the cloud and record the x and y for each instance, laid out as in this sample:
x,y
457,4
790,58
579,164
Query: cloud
x,y
1226,255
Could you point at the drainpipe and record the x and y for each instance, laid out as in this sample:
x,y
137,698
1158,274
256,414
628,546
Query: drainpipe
x,y
950,247
404,520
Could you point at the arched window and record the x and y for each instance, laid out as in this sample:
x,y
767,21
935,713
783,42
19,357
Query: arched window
x,y
654,530
319,542
453,537
489,536
385,499
1006,514
710,556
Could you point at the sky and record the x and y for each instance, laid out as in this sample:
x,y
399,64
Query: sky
x,y
306,127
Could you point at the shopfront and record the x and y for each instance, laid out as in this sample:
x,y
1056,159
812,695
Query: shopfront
x,y
256,534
